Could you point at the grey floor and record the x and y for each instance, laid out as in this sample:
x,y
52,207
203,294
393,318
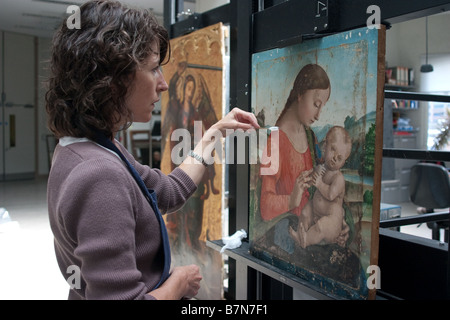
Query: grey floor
x,y
28,269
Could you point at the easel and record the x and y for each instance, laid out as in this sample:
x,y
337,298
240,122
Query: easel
x,y
255,26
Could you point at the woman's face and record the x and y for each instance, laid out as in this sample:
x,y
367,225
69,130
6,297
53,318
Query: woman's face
x,y
310,105
146,88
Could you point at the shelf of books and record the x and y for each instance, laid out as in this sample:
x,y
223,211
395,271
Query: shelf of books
x,y
403,120
405,104
400,77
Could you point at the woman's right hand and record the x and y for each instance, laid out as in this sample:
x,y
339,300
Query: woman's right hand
x,y
236,119
183,283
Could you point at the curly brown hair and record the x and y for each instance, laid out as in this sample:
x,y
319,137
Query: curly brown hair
x,y
93,67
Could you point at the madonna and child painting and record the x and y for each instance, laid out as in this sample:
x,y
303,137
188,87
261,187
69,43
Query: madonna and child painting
x,y
314,193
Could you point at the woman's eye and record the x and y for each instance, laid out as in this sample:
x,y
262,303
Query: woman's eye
x,y
154,70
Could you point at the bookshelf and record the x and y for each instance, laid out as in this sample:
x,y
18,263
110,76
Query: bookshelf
x,y
400,76
402,123
401,129
406,120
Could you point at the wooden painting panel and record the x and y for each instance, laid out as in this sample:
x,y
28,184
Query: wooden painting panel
x,y
317,216
195,75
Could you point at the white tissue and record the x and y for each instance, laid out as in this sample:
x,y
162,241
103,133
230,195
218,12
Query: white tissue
x,y
234,241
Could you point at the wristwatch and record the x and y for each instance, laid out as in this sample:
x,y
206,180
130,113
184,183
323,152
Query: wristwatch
x,y
197,157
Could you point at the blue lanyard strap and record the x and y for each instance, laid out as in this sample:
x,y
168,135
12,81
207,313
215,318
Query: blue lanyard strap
x,y
152,199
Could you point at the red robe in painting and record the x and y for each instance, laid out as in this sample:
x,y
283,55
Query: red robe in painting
x,y
276,188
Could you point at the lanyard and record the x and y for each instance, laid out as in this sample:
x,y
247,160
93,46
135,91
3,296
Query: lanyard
x,y
150,195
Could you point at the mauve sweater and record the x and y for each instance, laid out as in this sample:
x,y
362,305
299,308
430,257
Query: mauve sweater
x,y
103,224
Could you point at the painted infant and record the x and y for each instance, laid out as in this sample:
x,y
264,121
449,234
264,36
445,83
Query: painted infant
x,y
322,218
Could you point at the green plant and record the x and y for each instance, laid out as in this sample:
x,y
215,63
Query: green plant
x,y
442,138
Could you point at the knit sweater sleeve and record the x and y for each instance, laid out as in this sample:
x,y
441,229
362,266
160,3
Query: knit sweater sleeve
x,y
172,190
98,216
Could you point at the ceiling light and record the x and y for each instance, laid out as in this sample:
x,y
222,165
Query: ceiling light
x,y
426,67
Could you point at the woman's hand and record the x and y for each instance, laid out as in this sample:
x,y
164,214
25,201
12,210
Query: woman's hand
x,y
184,282
234,120
190,280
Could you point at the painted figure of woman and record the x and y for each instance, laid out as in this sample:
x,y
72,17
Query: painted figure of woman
x,y
186,225
286,189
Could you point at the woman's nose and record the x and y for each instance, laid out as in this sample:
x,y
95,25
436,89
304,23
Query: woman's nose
x,y
162,84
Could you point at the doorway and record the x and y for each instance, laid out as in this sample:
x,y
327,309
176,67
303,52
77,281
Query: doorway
x,y
17,107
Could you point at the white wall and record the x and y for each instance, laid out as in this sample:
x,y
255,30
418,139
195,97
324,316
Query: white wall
x,y
405,42
406,46
439,79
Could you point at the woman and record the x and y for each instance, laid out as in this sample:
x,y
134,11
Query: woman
x,y
104,76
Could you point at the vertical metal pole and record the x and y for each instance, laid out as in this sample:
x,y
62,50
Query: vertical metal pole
x,y
448,260
240,77
169,15
260,5
179,7
240,85
426,38
3,99
36,109
171,10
